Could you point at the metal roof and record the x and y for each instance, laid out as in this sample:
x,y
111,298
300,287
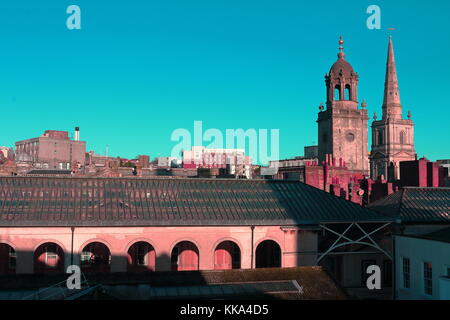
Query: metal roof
x,y
416,204
71,201
312,282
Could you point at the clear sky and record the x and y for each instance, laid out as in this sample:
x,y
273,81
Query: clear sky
x,y
138,70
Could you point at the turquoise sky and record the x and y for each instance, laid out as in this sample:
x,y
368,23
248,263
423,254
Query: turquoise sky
x,y
138,70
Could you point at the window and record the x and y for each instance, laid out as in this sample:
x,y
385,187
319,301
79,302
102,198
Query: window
x,y
406,273
347,92
337,93
51,256
428,278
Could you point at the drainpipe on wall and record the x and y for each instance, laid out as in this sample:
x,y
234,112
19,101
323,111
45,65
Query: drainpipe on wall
x,y
71,248
253,230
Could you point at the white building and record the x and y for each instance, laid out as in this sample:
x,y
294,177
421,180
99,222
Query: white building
x,y
423,266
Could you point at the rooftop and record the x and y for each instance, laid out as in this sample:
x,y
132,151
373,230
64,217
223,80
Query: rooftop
x,y
416,204
83,201
312,283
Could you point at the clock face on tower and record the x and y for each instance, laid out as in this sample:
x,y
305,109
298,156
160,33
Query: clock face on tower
x,y
350,136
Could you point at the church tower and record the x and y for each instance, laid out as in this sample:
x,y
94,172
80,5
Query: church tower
x,y
392,136
343,125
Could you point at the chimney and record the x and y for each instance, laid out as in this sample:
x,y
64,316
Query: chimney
x,y
77,134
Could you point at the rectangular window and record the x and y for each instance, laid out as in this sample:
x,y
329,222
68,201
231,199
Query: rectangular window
x,y
406,270
428,278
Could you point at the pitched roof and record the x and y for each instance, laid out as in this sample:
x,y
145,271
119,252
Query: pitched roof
x,y
416,204
442,235
311,283
72,201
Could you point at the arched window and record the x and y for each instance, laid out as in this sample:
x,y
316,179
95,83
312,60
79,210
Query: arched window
x,y
268,255
185,256
141,257
348,92
49,258
95,257
227,256
337,92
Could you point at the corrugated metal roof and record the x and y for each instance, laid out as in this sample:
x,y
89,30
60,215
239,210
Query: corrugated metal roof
x,y
415,204
70,201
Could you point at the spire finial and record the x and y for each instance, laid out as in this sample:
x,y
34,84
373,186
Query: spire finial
x,y
341,53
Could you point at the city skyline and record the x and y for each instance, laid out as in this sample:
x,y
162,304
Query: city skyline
x,y
245,72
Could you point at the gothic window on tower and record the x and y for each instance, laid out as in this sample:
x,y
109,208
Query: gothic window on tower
x,y
337,92
347,92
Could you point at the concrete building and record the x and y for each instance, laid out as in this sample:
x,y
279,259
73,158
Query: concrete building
x,y
392,136
423,266
52,150
342,126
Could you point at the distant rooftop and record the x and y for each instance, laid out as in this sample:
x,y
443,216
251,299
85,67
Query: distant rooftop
x,y
416,204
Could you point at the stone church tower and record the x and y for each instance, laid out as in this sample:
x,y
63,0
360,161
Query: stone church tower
x,y
392,136
343,125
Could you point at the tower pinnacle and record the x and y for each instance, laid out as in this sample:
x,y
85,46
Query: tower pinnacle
x,y
341,54
391,101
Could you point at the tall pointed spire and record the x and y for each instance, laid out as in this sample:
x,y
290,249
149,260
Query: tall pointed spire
x,y
391,103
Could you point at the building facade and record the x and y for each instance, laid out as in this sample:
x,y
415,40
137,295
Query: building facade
x,y
423,266
392,136
52,150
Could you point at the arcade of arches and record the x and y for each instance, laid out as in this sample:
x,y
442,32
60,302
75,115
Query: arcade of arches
x,y
157,250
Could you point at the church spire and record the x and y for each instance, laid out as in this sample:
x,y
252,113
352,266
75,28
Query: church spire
x,y
391,103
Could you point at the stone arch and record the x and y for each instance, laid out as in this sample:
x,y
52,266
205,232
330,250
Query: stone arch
x,y
48,258
185,256
268,254
8,258
337,92
227,255
95,257
141,257
348,92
